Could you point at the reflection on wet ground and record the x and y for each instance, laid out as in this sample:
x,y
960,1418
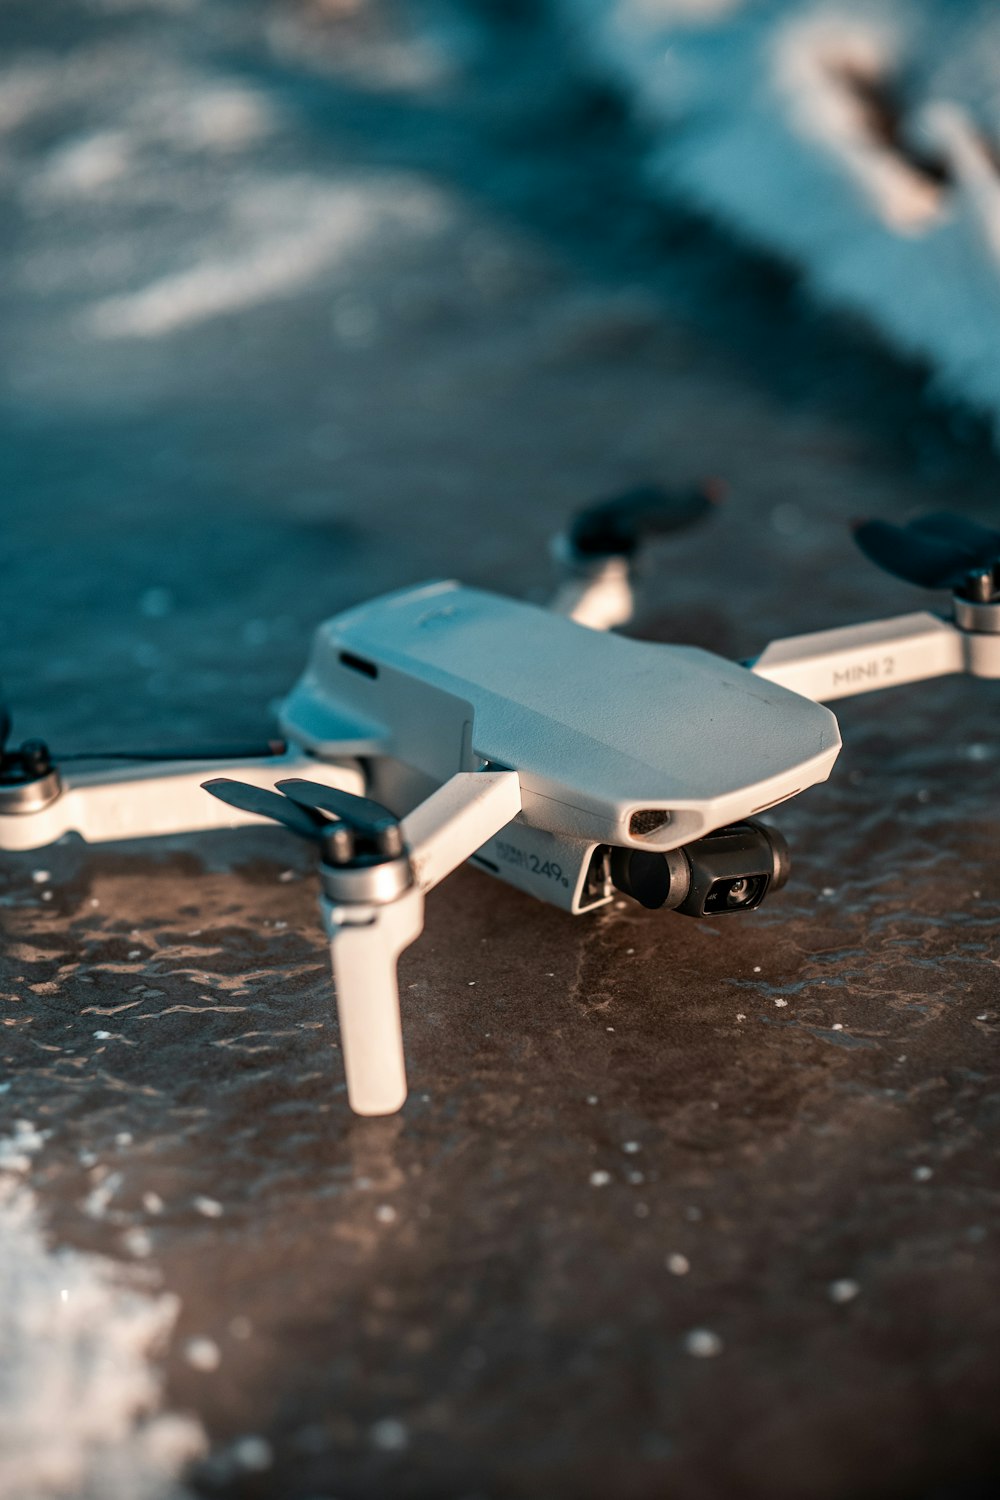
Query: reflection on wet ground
x,y
704,1209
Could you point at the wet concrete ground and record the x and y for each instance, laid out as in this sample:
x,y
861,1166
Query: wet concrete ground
x,y
676,1209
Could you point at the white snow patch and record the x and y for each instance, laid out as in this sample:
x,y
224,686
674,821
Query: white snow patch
x,y
813,56
202,1354
390,1435
98,1200
209,1208
87,164
24,91
252,1453
768,116
691,11
844,1290
219,117
80,1393
703,1343
282,237
126,5
16,1150
138,1242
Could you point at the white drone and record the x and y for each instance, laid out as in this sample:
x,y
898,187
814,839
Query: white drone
x,y
568,761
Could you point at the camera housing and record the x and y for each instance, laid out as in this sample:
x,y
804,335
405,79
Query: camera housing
x,y
730,870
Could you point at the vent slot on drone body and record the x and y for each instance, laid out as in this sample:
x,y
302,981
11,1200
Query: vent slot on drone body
x,y
647,820
358,664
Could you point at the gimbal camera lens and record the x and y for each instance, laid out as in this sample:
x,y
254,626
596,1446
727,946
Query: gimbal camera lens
x,y
739,891
729,870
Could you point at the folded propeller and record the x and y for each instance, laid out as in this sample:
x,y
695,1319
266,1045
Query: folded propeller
x,y
617,527
26,763
350,830
939,551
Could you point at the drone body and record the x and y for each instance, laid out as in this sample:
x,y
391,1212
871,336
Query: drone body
x,y
615,742
443,724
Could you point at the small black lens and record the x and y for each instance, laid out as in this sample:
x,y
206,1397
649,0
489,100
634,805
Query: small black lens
x,y
739,893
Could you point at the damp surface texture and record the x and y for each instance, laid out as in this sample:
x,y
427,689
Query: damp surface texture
x,y
302,303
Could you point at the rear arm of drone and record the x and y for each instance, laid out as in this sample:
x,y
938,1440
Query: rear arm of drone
x,y
595,591
598,553
858,659
944,550
368,935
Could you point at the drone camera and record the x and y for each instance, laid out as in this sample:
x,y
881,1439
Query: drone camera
x,y
730,870
734,868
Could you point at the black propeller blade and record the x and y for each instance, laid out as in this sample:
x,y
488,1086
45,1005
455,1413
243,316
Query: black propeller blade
x,y
257,799
20,764
938,551
617,527
950,527
367,818
337,821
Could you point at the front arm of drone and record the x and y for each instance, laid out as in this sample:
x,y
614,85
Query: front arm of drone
x,y
375,871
